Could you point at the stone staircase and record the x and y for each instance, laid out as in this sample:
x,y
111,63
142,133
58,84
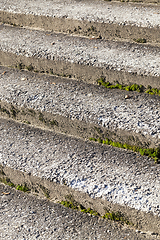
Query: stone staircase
x,y
70,130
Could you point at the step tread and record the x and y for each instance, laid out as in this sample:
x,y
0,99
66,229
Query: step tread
x,y
35,218
75,100
95,11
102,172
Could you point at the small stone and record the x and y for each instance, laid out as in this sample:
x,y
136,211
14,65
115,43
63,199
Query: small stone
x,y
52,43
23,79
127,96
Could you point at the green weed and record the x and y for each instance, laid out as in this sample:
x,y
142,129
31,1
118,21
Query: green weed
x,y
7,182
54,123
79,207
116,216
133,87
27,122
41,118
20,66
30,67
4,110
140,40
22,188
151,152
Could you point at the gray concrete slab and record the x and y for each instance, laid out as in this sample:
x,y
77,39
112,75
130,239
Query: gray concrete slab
x,y
26,217
97,176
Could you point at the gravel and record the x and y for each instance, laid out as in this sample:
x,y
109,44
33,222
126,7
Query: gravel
x,y
26,217
132,58
91,104
116,175
95,11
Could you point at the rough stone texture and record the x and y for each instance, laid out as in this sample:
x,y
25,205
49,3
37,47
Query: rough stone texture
x,y
115,21
79,109
101,173
94,11
118,56
26,217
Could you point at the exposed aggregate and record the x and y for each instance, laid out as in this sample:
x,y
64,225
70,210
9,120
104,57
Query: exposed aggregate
x,y
26,217
127,57
95,11
75,100
114,174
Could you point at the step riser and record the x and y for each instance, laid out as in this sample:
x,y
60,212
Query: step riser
x,y
83,28
57,192
85,73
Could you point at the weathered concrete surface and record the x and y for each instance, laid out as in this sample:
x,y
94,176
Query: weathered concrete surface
x,y
100,177
90,18
80,58
79,109
26,217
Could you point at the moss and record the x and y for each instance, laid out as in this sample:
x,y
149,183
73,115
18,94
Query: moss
x,y
93,139
22,188
69,204
54,123
32,111
14,111
116,216
140,40
79,207
20,66
151,152
27,122
41,118
152,91
4,110
7,182
45,191
30,67
2,172
133,87
50,71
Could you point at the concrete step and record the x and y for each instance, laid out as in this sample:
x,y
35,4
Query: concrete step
x,y
33,218
79,109
46,148
80,58
90,18
102,178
